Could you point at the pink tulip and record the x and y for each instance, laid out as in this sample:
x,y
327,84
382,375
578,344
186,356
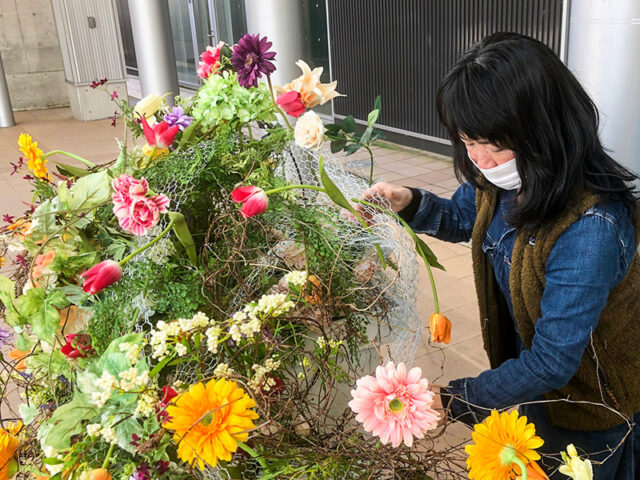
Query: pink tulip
x,y
100,276
161,135
254,200
291,103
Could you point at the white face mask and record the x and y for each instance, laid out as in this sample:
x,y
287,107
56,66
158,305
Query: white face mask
x,y
503,176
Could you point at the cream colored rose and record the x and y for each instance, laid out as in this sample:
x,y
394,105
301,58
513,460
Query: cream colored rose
x,y
148,106
309,131
312,92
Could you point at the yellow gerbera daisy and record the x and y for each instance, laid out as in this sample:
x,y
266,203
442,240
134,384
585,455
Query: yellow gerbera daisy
x,y
502,442
8,446
35,161
209,421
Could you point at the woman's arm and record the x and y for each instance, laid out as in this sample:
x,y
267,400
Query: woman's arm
x,y
588,260
449,220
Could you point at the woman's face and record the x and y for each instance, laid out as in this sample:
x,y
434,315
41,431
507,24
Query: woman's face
x,y
484,154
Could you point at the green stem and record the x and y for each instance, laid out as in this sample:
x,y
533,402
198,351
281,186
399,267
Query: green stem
x,y
144,247
433,288
71,155
371,165
292,187
275,105
518,462
105,464
254,455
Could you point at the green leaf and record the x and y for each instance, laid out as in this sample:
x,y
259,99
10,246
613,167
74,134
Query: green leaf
x,y
348,125
337,145
156,370
44,220
24,343
332,190
377,104
87,193
372,118
68,266
54,363
66,422
28,413
7,296
422,248
124,428
352,148
52,461
184,235
74,294
70,171
332,129
40,311
116,251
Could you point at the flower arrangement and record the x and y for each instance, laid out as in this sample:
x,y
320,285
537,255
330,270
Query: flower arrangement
x,y
185,311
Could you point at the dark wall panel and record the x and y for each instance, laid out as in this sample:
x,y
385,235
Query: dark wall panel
x,y
401,49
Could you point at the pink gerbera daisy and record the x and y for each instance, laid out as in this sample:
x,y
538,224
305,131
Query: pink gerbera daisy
x,y
395,405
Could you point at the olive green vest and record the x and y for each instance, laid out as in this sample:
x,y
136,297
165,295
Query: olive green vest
x,y
610,369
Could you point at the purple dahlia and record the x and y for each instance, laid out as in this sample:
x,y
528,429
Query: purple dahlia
x,y
251,59
176,116
5,335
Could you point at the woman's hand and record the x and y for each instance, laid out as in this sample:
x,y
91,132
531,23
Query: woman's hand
x,y
437,404
399,197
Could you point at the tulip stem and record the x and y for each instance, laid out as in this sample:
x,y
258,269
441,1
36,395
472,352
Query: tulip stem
x,y
273,99
292,187
433,288
105,464
151,243
71,155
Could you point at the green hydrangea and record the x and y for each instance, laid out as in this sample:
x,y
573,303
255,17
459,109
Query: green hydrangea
x,y
221,99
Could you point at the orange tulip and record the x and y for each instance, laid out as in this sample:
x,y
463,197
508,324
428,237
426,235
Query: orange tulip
x,y
99,474
16,354
534,472
440,327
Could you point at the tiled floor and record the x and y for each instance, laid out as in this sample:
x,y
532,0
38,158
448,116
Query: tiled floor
x,y
56,129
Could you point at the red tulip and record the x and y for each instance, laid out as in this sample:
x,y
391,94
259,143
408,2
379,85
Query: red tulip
x,y
168,394
77,346
100,276
161,135
254,200
291,103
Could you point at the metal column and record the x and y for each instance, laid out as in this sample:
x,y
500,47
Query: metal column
x,y
282,23
154,47
604,38
6,111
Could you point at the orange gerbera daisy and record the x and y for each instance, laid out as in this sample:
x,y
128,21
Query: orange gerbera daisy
x,y
209,421
8,445
503,445
35,162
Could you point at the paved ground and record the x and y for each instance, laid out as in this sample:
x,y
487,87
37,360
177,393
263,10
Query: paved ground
x,y
56,129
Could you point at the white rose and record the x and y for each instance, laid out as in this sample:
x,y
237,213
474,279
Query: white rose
x,y
148,106
309,131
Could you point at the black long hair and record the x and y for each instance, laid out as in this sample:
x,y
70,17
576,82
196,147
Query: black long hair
x,y
515,92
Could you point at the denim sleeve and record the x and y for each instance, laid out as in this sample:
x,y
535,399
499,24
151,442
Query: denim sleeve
x,y
587,261
449,220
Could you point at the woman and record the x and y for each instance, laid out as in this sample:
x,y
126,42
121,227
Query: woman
x,y
554,229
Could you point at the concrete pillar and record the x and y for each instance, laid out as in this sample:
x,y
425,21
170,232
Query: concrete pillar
x,y
282,22
154,47
604,38
6,111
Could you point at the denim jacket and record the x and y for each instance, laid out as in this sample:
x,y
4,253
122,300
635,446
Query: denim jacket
x,y
587,261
